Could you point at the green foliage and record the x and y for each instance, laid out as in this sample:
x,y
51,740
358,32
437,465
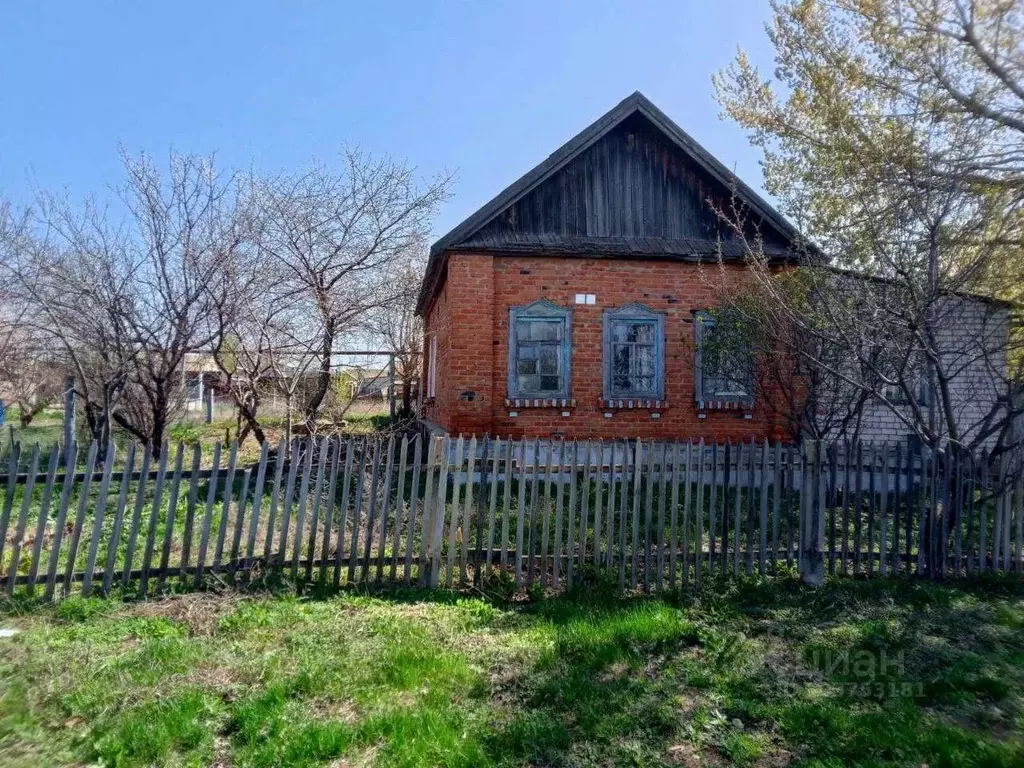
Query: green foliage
x,y
185,432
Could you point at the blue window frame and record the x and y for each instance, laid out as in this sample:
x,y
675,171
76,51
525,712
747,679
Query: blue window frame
x,y
634,353
539,351
724,366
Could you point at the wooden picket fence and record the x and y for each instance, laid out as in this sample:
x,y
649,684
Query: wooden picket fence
x,y
451,512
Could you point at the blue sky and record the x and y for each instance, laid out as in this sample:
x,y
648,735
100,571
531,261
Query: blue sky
x,y
487,89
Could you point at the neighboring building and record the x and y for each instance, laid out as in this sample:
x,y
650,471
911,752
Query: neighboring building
x,y
571,304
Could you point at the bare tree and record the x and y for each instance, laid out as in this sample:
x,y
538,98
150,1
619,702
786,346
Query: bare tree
x,y
400,330
342,237
123,303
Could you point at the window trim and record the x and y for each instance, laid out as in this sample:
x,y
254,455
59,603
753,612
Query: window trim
x,y
432,368
542,309
640,313
701,320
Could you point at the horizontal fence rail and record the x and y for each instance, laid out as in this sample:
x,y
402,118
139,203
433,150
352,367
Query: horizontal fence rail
x,y
533,513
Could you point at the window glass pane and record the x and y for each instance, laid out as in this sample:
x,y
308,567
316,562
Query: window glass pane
x,y
540,330
643,358
620,360
528,383
527,352
526,367
620,330
549,358
549,383
642,333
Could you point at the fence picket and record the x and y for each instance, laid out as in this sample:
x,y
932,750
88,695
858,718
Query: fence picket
x,y
673,525
308,450
400,510
140,503
546,522
190,511
154,518
437,518
712,510
44,512
610,511
385,509
321,454
584,505
520,513
62,512
726,484
635,553
687,495
453,518
225,509
833,503
275,491
737,521
763,541
424,517
648,515
204,534
76,532
624,512
236,538
413,508
699,512
13,464
172,514
506,492
427,517
467,506
257,504
751,509
659,560
98,516
570,547
492,507
19,529
598,501
534,513
339,544
556,547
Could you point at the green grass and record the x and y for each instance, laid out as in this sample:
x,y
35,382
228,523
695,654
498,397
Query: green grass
x,y
749,673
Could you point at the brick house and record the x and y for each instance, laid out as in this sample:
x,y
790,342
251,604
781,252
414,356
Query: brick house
x,y
572,303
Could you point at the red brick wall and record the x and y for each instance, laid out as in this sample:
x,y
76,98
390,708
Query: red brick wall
x,y
462,315
470,315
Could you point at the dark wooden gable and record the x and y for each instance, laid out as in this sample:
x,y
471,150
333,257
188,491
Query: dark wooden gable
x,y
633,186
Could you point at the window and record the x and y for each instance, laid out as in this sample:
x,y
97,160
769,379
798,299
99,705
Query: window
x,y
539,351
725,359
432,368
896,395
634,353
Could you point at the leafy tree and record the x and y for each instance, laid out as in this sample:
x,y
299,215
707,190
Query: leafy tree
x,y
891,132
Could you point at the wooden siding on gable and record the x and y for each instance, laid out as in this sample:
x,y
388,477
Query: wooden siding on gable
x,y
632,184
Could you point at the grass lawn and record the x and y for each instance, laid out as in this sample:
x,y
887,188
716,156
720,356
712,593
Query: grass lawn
x,y
763,674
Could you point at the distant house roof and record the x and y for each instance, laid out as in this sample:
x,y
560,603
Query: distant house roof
x,y
613,204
